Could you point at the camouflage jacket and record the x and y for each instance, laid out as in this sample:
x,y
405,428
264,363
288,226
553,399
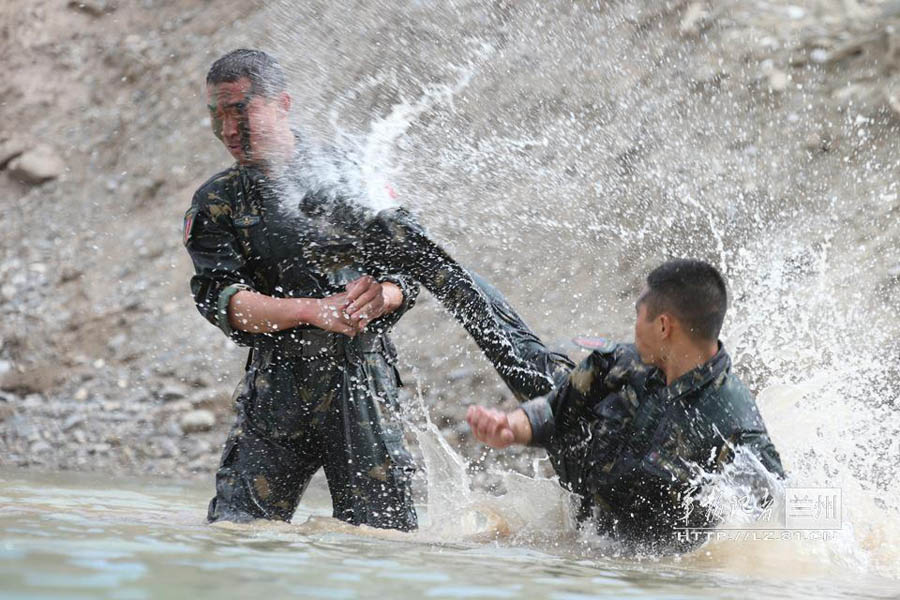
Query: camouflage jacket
x,y
630,445
245,231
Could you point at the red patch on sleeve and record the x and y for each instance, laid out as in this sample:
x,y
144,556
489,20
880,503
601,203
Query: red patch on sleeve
x,y
594,343
188,223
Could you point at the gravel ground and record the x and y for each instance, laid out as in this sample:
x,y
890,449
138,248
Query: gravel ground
x,y
105,364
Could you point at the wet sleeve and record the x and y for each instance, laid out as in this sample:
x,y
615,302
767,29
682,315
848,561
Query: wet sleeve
x,y
759,443
571,404
409,286
410,290
219,269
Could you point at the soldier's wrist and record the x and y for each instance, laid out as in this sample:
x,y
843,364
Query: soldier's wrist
x,y
305,310
521,426
393,296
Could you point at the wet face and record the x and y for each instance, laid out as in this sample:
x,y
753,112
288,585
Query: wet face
x,y
247,124
648,336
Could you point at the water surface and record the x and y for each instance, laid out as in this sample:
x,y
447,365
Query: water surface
x,y
69,535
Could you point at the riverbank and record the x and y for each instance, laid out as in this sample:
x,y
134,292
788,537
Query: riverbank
x,y
558,164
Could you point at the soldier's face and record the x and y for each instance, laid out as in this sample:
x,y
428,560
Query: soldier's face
x,y
246,123
647,337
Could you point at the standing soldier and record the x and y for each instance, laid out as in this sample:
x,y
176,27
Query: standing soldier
x,y
288,263
320,389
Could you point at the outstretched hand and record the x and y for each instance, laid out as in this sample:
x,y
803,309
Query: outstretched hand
x,y
491,426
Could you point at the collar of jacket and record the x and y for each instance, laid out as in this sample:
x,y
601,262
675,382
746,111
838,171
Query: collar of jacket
x,y
698,377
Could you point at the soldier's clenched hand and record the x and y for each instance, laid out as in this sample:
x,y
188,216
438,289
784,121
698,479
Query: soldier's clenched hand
x,y
367,303
490,426
498,429
331,314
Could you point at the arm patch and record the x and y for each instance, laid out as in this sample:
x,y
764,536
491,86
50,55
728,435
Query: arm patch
x,y
189,217
598,344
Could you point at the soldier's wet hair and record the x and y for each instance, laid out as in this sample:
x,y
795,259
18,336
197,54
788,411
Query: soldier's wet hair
x,y
691,290
265,74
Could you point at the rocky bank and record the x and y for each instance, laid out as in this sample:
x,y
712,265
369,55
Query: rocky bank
x,y
105,364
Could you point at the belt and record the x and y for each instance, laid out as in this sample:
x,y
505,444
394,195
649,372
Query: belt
x,y
316,343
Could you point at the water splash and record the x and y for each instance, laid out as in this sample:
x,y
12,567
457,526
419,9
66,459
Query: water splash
x,y
533,511
586,143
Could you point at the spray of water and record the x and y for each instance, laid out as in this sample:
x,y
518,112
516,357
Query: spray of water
x,y
586,143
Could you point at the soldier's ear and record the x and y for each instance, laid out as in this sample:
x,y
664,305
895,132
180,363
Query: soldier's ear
x,y
284,102
665,325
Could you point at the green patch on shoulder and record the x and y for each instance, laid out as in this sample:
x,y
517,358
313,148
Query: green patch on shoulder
x,y
219,209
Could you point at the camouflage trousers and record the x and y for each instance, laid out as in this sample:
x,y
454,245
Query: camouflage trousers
x,y
332,404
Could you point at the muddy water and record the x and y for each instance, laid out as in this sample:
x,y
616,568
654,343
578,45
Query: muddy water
x,y
79,536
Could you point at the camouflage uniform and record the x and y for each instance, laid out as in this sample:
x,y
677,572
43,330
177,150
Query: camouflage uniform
x,y
398,244
309,398
630,445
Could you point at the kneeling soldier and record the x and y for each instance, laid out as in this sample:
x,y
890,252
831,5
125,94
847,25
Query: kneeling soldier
x,y
633,425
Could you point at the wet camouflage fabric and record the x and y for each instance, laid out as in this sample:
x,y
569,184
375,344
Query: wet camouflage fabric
x,y
309,398
241,234
528,368
630,445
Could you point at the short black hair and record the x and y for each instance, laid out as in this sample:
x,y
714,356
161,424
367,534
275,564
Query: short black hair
x,y
693,291
265,74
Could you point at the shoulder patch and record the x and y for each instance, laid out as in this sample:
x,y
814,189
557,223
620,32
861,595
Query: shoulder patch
x,y
598,344
188,224
246,221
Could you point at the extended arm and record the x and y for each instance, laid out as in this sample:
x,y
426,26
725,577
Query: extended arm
x,y
538,419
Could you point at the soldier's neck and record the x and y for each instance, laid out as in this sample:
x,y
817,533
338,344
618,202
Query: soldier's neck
x,y
686,357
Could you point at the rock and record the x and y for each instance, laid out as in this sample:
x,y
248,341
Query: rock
x,y
203,464
81,395
9,150
95,8
210,398
817,141
33,401
72,421
461,373
173,391
893,101
111,406
778,80
117,341
694,20
37,165
6,411
198,449
197,420
168,448
22,426
39,447
173,429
